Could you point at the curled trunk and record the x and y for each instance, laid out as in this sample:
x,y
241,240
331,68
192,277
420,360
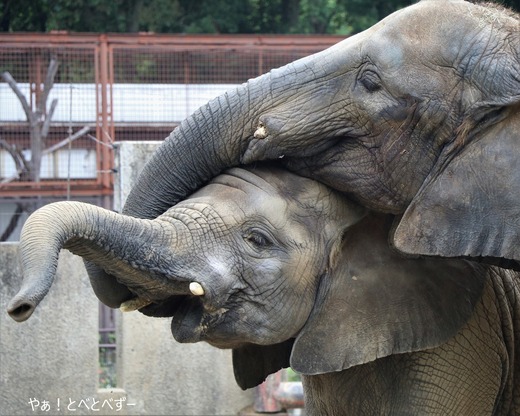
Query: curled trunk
x,y
253,122
136,252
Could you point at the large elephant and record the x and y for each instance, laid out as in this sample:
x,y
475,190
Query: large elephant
x,y
285,271
418,115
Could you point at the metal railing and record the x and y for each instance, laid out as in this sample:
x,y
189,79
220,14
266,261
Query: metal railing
x,y
120,87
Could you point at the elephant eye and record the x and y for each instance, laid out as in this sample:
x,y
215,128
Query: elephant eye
x,y
370,80
258,239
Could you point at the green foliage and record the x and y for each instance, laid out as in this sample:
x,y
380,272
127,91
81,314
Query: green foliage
x,y
292,375
512,4
161,16
321,16
199,16
190,16
216,16
107,360
86,15
107,372
26,15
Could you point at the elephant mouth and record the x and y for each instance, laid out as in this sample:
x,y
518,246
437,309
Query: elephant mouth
x,y
191,320
191,306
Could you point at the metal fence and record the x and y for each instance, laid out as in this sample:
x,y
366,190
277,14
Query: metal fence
x,y
107,347
117,87
72,158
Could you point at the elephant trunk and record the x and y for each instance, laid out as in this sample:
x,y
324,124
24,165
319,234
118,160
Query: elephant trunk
x,y
251,123
137,252
195,152
254,122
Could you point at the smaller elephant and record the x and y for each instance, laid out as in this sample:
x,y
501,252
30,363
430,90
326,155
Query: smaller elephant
x,y
285,271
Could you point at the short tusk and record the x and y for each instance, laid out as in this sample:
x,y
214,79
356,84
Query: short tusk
x,y
261,132
196,289
134,304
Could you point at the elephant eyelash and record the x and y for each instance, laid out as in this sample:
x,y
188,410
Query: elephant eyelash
x,y
258,239
371,81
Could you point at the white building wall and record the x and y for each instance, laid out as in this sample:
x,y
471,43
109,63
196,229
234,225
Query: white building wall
x,y
132,103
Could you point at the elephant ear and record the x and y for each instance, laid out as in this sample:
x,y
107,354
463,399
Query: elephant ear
x,y
253,363
375,303
472,207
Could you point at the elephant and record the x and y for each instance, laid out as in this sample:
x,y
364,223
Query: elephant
x,y
285,271
418,116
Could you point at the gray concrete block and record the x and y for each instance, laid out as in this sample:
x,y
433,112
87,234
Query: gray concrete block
x,y
53,356
181,379
49,364
164,377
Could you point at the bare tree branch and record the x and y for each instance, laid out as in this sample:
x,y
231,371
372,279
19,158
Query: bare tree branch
x,y
18,158
39,119
21,164
48,83
47,122
11,178
66,141
7,77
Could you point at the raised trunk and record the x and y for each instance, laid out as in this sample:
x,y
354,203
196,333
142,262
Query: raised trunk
x,y
196,151
137,252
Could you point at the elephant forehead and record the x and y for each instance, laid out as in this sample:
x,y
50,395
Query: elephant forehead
x,y
260,202
241,203
417,49
427,30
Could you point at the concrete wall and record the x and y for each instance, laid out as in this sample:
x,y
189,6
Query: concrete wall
x,y
182,379
49,364
53,356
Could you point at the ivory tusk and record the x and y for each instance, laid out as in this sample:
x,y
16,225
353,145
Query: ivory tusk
x,y
134,304
261,132
196,289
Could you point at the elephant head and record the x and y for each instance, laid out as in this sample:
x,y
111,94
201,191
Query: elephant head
x,y
277,267
238,235
418,115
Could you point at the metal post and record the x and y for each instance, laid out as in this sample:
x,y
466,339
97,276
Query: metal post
x,y
104,124
265,401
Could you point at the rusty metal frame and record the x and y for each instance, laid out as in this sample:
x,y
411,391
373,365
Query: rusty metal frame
x,y
103,46
177,42
104,120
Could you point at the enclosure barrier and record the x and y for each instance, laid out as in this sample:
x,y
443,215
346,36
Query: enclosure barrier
x,y
117,87
277,395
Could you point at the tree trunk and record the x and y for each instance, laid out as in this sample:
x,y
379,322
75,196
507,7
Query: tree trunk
x,y
39,119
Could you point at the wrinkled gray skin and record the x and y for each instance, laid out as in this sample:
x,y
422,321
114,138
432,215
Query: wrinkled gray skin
x,y
295,274
417,115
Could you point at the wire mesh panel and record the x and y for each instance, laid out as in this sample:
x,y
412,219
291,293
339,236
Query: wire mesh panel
x,y
158,85
108,88
107,347
70,106
113,87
